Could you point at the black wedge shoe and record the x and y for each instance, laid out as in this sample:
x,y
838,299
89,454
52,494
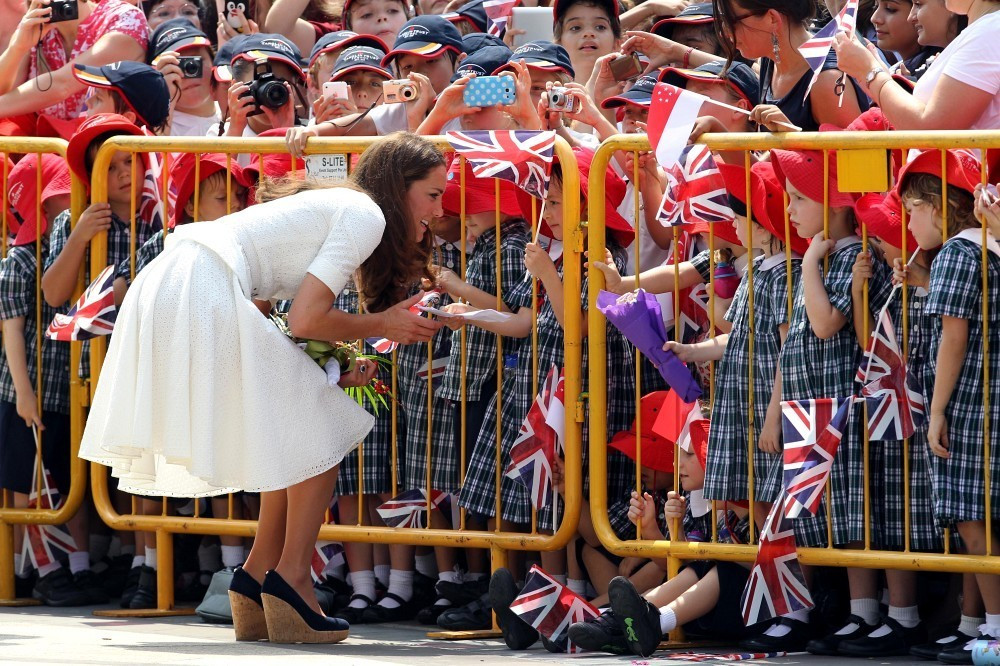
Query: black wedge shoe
x,y
290,620
248,609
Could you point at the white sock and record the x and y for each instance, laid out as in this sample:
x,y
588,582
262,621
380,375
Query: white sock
x,y
232,556
426,565
400,584
363,582
98,546
970,625
866,609
577,585
79,561
778,630
908,616
46,569
668,621
451,576
151,558
209,558
382,573
802,615
559,578
993,620
138,561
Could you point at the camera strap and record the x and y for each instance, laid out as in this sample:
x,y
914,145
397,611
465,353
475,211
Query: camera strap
x,y
358,119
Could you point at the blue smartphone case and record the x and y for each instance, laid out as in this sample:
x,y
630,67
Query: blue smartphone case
x,y
489,91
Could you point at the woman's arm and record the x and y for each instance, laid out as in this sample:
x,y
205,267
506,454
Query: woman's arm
x,y
14,60
826,103
285,19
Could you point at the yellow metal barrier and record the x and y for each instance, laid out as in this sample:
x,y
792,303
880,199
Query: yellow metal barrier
x,y
74,495
498,541
871,150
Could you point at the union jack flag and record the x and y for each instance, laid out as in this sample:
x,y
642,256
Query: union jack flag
x,y
46,543
895,402
430,299
382,345
817,48
409,508
551,607
520,156
539,441
498,13
326,554
812,430
776,586
93,315
695,191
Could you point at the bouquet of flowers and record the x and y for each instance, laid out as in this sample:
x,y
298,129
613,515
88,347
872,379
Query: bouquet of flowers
x,y
339,358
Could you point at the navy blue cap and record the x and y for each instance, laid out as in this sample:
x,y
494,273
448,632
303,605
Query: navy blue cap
x,y
221,65
483,62
738,76
640,94
696,14
426,36
355,58
542,55
472,12
176,35
270,46
341,39
474,41
142,87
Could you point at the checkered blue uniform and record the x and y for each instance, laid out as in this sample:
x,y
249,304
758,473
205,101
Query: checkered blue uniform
x,y
726,474
956,291
18,280
150,250
815,368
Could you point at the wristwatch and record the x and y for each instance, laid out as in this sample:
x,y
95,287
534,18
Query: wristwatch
x,y
871,76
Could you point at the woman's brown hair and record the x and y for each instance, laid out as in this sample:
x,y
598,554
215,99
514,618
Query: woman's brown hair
x,y
961,205
795,11
386,171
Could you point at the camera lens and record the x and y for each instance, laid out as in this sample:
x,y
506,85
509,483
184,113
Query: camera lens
x,y
556,98
191,68
273,95
406,93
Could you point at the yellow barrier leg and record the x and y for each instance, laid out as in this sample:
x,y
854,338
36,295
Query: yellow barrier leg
x,y
7,595
164,585
498,559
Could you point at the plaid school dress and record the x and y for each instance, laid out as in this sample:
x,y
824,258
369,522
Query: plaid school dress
x,y
814,368
886,471
18,280
956,291
726,473
119,251
412,374
149,250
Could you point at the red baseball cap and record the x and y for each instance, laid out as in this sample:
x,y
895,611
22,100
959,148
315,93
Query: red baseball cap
x,y
480,193
882,215
804,170
90,129
962,168
182,175
23,195
657,451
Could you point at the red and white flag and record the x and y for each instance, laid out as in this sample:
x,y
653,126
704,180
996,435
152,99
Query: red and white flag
x,y
540,440
551,607
816,49
498,13
671,117
93,315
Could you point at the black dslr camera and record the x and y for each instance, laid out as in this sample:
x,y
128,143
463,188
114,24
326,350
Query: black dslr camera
x,y
190,66
63,10
266,88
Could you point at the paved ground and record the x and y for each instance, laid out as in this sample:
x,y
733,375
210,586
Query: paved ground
x,y
70,636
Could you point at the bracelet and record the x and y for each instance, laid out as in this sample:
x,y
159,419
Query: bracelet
x,y
878,96
686,62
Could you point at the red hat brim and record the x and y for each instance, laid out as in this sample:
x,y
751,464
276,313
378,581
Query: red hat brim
x,y
804,170
90,129
182,175
961,168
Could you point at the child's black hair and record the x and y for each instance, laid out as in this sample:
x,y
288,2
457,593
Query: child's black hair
x,y
616,24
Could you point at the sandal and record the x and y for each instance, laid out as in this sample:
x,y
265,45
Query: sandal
x,y
355,615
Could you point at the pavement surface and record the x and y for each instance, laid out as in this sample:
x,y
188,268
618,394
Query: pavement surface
x,y
39,635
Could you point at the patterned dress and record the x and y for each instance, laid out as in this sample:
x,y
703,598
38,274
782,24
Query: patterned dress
x,y
149,250
956,291
815,368
726,473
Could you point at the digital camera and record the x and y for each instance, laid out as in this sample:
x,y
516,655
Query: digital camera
x,y
64,10
561,99
266,88
399,90
191,67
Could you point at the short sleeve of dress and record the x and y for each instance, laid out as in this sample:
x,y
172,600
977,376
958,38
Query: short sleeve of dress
x,y
58,237
702,263
512,271
954,289
17,285
977,63
838,279
880,285
355,231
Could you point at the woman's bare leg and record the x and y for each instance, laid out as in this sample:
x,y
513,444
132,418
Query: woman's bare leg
x,y
270,538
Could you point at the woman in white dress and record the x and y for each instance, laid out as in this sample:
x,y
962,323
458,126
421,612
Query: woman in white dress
x,y
201,395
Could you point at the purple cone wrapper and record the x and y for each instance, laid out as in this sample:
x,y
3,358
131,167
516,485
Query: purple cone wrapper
x,y
726,280
637,315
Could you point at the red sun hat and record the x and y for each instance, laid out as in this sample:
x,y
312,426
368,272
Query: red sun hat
x,y
480,193
182,175
22,193
882,215
699,440
774,193
90,129
963,170
804,170
657,452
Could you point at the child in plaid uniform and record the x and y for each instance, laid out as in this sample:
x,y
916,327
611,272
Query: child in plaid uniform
x,y
958,415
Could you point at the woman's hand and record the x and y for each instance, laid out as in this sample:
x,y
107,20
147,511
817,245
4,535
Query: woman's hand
x,y
612,278
819,247
32,27
770,433
27,409
405,327
95,219
686,353
660,50
771,117
988,207
937,436
364,370
225,32
852,58
539,263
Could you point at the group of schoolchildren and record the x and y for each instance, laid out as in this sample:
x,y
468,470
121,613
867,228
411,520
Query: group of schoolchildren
x,y
801,304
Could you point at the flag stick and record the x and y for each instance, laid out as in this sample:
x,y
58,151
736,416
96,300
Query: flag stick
x,y
895,288
794,128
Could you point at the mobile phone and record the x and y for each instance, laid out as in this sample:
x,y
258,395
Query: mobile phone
x,y
483,91
229,9
625,67
536,23
336,90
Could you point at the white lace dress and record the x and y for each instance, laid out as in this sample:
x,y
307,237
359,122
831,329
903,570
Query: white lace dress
x,y
200,394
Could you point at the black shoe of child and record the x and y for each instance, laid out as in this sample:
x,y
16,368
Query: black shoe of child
x,y
794,641
352,614
429,614
896,643
131,583
553,647
601,634
470,617
114,577
830,645
934,648
639,620
145,591
962,653
87,581
23,585
462,593
57,589
517,634
378,613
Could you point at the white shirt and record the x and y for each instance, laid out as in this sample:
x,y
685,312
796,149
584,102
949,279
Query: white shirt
x,y
187,124
389,118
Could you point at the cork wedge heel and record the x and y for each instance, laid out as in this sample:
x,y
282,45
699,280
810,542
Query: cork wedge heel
x,y
248,618
290,620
